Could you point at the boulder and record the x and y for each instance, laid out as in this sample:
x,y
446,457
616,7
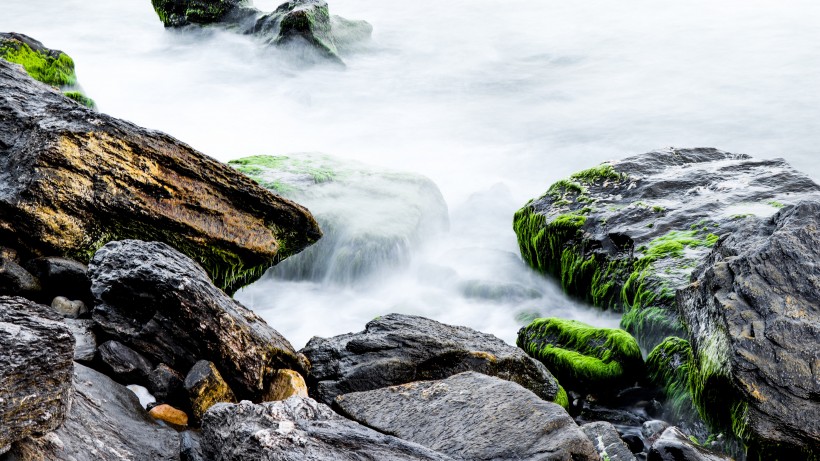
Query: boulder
x,y
73,179
753,313
166,385
584,357
206,388
673,445
456,415
397,349
607,441
285,384
36,350
158,302
85,341
106,423
16,281
298,429
62,277
123,364
177,13
373,219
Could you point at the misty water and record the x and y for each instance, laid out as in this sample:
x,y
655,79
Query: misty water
x,y
492,100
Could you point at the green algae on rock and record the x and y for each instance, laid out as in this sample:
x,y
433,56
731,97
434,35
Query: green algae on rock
x,y
669,366
176,13
581,356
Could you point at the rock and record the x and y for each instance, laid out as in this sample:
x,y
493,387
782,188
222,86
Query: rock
x,y
106,423
301,21
16,281
753,311
205,388
72,179
35,370
673,445
618,416
157,301
455,415
298,429
607,441
583,357
166,384
625,235
397,349
62,277
634,442
85,341
668,366
68,308
651,430
176,13
373,219
169,414
123,363
189,447
285,384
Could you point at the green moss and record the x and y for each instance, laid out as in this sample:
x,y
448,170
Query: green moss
x,y
258,166
561,398
658,209
669,366
564,186
81,98
673,243
53,71
582,356
775,204
601,172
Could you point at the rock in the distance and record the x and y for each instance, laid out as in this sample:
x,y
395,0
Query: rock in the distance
x,y
456,415
396,349
36,352
160,303
298,429
206,388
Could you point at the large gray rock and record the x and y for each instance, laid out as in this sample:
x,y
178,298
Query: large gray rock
x,y
397,349
298,429
607,441
673,445
36,352
106,423
753,310
472,416
160,303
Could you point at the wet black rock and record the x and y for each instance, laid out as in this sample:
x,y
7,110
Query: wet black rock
x,y
456,416
16,281
608,442
397,349
160,303
206,388
36,352
62,277
673,445
166,385
123,363
85,347
298,429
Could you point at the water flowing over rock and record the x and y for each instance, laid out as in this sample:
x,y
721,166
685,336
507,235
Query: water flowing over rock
x,y
160,303
397,349
673,445
372,218
298,429
753,310
456,415
36,352
72,179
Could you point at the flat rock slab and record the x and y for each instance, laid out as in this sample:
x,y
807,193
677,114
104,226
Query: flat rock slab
x,y
36,352
472,416
298,429
397,349
162,304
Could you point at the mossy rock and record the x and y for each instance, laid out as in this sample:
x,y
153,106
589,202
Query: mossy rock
x,y
583,357
176,13
669,366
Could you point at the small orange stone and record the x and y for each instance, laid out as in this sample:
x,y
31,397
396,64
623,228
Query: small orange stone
x,y
169,414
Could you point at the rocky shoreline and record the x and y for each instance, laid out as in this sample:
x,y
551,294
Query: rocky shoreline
x,y
120,248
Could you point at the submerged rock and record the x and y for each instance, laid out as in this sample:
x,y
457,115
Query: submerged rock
x,y
456,415
72,180
160,303
298,429
372,219
36,350
397,349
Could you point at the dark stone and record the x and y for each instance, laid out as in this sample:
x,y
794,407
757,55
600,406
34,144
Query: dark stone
x,y
62,277
124,364
16,281
298,429
166,385
651,430
472,416
753,310
35,370
206,388
177,13
673,445
620,416
190,448
106,423
397,349
634,442
85,347
72,179
157,301
608,442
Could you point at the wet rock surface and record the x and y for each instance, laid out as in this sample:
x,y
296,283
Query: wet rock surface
x,y
206,388
36,352
673,445
16,281
455,415
160,303
123,363
397,349
298,429
72,179
607,441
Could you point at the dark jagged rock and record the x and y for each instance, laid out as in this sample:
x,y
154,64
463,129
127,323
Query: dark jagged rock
x,y
106,423
206,388
753,310
607,441
190,448
123,363
166,385
673,445
62,277
627,234
35,370
455,416
85,341
397,349
157,301
16,281
72,179
298,429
